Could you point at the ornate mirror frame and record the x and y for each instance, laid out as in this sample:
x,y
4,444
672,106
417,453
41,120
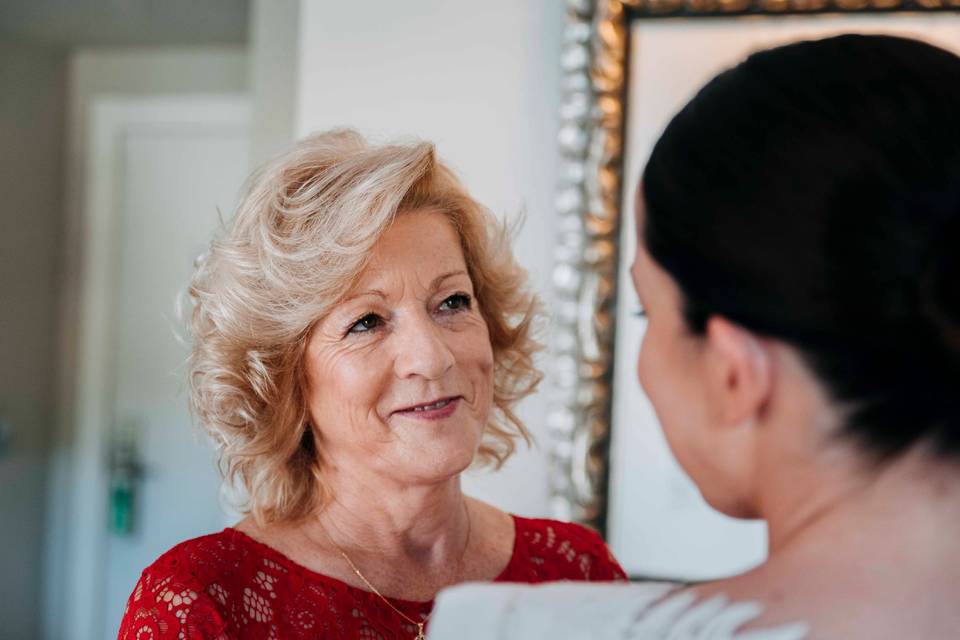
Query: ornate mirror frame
x,y
592,125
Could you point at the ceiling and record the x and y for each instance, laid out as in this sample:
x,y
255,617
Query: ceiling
x,y
70,23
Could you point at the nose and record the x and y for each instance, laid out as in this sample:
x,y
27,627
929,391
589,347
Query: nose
x,y
422,350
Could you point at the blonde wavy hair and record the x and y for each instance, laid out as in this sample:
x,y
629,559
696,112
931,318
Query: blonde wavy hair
x,y
302,234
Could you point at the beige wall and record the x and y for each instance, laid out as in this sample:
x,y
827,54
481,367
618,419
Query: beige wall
x,y
274,27
31,134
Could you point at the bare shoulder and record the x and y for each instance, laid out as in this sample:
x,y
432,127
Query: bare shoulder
x,y
268,535
872,608
490,519
494,521
278,536
492,539
289,542
249,527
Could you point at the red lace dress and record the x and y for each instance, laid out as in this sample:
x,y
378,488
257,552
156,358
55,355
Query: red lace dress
x,y
229,586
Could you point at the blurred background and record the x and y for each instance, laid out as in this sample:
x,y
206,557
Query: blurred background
x,y
127,129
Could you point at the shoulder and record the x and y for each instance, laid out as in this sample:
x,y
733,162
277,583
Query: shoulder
x,y
183,592
546,531
203,559
567,538
173,599
682,611
555,550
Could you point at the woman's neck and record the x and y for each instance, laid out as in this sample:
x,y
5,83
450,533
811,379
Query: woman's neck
x,y
908,499
880,543
411,525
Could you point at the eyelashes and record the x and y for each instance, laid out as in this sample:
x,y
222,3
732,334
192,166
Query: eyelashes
x,y
365,324
456,303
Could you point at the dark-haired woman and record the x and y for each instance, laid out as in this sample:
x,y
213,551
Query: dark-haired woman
x,y
799,264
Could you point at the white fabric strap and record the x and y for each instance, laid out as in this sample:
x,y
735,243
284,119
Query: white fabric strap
x,y
572,610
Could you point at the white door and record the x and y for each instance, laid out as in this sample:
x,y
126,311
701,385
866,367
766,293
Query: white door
x,y
162,172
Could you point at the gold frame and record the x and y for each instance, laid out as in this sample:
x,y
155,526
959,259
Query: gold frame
x,y
591,137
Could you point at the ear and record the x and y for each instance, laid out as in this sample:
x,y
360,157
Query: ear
x,y
739,374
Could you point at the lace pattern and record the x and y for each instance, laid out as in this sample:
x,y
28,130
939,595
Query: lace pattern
x,y
228,586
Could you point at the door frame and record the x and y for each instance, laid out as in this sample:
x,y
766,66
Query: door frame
x,y
111,118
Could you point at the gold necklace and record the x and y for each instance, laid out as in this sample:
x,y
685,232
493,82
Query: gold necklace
x,y
420,635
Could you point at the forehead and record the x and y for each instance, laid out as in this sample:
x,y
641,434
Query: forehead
x,y
422,242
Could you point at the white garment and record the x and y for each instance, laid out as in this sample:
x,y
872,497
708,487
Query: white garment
x,y
576,610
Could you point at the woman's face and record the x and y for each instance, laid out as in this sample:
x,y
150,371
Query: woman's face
x,y
673,372
400,373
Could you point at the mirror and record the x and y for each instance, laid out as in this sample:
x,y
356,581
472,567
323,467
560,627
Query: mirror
x,y
628,66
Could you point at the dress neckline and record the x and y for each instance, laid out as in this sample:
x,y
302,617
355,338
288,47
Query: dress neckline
x,y
286,561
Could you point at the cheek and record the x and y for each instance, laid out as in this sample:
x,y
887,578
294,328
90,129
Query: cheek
x,y
485,357
343,385
658,369
474,356
648,363
472,348
482,363
668,377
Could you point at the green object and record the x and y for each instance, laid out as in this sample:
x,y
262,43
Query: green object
x,y
121,505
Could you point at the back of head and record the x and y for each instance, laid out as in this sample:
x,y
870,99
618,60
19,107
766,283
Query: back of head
x,y
812,194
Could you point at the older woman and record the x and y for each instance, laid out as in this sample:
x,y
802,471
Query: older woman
x,y
362,334
799,263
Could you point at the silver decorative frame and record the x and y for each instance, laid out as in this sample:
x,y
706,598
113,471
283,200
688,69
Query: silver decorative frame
x,y
591,137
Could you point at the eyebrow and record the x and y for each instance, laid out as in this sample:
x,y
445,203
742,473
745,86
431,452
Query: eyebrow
x,y
435,284
439,279
360,294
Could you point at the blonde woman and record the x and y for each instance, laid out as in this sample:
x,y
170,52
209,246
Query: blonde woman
x,y
362,334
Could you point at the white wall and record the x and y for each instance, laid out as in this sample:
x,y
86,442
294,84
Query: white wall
x,y
32,82
274,27
482,81
91,73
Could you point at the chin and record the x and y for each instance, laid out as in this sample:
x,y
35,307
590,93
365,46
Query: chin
x,y
436,475
437,464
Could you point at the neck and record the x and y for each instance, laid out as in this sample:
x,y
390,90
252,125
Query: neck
x,y
419,525
912,500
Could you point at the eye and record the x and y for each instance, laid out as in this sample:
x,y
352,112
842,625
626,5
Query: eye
x,y
456,302
640,313
367,323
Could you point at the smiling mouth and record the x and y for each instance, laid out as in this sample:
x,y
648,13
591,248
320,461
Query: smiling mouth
x,y
436,407
429,407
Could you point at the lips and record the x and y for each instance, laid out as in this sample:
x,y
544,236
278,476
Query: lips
x,y
433,408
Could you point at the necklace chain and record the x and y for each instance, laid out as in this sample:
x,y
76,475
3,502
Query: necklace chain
x,y
420,635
